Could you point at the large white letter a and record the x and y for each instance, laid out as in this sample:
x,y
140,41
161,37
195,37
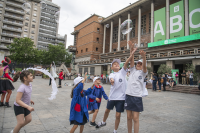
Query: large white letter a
x,y
158,31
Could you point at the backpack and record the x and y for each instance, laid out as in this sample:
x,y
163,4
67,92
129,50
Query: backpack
x,y
162,80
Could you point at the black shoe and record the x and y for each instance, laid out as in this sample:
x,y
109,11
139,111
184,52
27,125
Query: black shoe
x,y
7,104
92,124
1,104
100,125
59,86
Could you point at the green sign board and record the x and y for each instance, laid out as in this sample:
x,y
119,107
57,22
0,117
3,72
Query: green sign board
x,y
177,20
174,73
194,16
159,25
175,40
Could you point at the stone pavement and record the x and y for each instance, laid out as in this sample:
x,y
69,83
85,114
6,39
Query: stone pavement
x,y
164,112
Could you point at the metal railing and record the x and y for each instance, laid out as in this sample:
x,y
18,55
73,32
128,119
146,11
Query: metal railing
x,y
7,41
12,16
16,11
12,29
14,4
11,35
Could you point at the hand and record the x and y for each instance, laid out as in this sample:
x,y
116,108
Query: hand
x,y
142,53
85,75
112,81
32,103
97,99
30,108
92,86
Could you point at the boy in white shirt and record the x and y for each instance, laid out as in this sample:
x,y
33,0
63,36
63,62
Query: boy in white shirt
x,y
133,102
117,91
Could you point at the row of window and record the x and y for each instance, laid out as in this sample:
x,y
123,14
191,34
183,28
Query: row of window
x,y
33,25
46,38
92,70
86,50
47,21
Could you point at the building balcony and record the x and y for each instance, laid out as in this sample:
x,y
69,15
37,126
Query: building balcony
x,y
11,29
14,4
13,17
47,35
72,49
47,28
47,11
6,41
47,15
48,19
12,23
21,1
46,41
61,37
15,11
51,8
10,35
47,32
2,46
49,24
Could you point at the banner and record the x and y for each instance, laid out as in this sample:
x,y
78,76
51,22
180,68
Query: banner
x,y
159,25
177,20
174,73
194,15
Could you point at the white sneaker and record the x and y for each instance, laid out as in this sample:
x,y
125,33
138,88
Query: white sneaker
x,y
11,131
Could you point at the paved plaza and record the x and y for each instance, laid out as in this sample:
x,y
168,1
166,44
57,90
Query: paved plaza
x,y
164,112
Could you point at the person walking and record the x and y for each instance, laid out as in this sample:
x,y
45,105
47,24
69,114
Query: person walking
x,y
155,79
159,83
183,77
187,78
177,77
60,78
164,82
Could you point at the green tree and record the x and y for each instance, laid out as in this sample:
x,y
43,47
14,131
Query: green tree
x,y
22,50
163,69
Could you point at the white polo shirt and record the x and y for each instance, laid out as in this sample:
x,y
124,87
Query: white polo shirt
x,y
117,91
135,82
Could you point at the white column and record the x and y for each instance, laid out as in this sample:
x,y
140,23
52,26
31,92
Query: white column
x,y
186,18
111,35
119,34
104,38
128,35
152,21
139,26
167,19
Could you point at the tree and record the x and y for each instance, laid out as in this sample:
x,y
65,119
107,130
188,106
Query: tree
x,y
22,50
163,69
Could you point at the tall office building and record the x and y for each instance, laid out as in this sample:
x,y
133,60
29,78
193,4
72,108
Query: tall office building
x,y
37,24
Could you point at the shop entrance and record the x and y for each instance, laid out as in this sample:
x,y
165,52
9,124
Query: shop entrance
x,y
180,67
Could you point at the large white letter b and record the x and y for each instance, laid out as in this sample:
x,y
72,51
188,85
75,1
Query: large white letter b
x,y
177,23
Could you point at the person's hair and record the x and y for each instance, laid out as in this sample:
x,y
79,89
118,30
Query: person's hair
x,y
74,88
21,75
7,59
176,72
163,75
191,71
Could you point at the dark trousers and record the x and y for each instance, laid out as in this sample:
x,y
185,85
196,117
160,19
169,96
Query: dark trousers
x,y
154,85
50,81
159,84
164,85
60,81
191,81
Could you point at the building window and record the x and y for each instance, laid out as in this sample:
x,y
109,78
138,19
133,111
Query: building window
x,y
25,35
25,30
33,32
143,25
97,39
92,70
33,26
77,52
96,49
114,49
34,20
133,30
27,18
80,70
28,13
81,51
115,34
34,15
122,48
26,24
75,36
86,49
149,22
32,37
86,69
142,45
98,29
35,9
35,4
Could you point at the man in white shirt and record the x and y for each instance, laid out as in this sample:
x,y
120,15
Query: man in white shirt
x,y
117,91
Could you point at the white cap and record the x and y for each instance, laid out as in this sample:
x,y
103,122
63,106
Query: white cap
x,y
77,80
95,78
116,60
141,60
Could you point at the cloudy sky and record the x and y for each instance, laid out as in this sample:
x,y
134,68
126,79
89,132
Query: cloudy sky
x,y
75,11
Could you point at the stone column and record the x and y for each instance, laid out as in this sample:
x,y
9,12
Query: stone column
x,y
186,18
171,64
167,19
152,21
104,38
108,69
128,35
119,34
139,26
111,35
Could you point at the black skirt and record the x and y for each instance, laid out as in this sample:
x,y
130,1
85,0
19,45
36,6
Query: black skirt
x,y
133,103
5,85
77,123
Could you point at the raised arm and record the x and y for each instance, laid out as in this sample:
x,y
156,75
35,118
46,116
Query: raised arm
x,y
131,57
143,54
131,45
85,77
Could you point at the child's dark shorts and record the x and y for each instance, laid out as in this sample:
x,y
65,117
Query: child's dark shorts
x,y
133,103
21,110
77,123
118,104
